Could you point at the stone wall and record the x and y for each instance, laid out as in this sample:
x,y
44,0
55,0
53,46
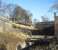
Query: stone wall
x,y
10,37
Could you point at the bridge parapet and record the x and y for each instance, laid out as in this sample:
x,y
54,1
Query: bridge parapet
x,y
9,34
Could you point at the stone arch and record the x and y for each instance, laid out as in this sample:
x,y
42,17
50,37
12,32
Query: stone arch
x,y
3,47
20,46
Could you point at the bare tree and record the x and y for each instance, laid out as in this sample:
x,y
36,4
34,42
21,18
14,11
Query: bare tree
x,y
0,3
22,15
45,19
55,6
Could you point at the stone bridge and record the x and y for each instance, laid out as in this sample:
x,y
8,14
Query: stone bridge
x,y
10,37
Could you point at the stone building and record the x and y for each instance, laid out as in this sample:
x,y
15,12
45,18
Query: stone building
x,y
56,25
